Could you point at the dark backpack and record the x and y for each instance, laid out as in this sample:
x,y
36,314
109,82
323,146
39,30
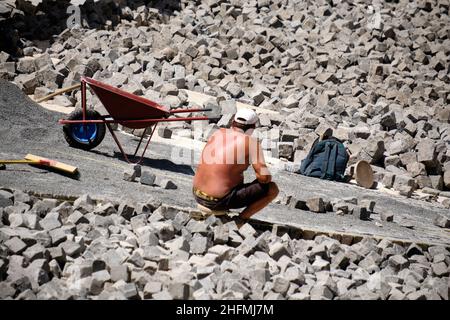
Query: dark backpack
x,y
327,159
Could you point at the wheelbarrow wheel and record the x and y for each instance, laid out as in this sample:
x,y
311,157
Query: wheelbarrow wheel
x,y
84,136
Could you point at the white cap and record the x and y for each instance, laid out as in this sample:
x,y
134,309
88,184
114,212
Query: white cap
x,y
246,116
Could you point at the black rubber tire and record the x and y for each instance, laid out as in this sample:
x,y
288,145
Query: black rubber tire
x,y
77,114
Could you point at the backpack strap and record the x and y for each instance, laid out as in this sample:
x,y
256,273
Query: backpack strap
x,y
305,163
325,161
304,167
329,165
331,170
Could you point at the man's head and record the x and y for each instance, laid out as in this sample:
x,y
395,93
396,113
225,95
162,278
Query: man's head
x,y
245,119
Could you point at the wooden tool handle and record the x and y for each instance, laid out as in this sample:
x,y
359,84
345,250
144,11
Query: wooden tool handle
x,y
58,92
54,164
43,162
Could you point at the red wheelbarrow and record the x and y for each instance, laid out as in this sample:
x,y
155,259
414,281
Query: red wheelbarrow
x,y
85,129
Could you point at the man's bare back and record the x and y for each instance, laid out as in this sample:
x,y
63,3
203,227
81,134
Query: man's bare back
x,y
215,175
218,182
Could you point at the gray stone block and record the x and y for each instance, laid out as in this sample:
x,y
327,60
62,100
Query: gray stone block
x,y
247,231
320,264
166,184
147,177
6,199
388,179
226,120
36,251
368,204
405,190
341,207
198,245
442,221
295,275
15,245
148,239
6,290
440,269
16,220
221,234
129,174
97,281
85,202
129,291
437,182
416,169
164,230
228,107
126,210
151,288
315,205
234,89
292,167
165,132
398,262
105,209
387,216
77,217
179,291
71,248
414,249
321,292
426,152
389,121
285,150
180,219
277,250
402,180
361,213
38,273
57,254
20,196
280,285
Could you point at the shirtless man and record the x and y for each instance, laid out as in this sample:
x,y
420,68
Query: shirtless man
x,y
218,182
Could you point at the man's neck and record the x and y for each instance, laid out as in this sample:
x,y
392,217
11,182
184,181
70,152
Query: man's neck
x,y
237,129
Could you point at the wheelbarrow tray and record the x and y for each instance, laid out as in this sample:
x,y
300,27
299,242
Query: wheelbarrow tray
x,y
127,109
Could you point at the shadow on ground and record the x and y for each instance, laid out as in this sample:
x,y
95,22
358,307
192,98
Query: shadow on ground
x,y
160,164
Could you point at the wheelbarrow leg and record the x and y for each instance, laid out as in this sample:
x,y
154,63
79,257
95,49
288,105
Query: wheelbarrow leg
x,y
142,137
121,149
140,141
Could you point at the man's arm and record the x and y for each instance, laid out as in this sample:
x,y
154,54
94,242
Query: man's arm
x,y
258,162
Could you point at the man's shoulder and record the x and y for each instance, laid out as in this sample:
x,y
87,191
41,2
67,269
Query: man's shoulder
x,y
216,133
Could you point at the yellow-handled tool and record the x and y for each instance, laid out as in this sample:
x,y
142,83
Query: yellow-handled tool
x,y
36,160
42,162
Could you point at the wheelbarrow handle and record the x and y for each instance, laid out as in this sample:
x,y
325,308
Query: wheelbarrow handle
x,y
189,110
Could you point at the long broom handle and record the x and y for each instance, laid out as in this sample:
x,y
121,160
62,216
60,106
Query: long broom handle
x,y
44,162
58,92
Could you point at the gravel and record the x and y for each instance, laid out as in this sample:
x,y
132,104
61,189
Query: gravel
x,y
118,265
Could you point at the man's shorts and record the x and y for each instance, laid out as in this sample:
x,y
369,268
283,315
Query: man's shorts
x,y
240,196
